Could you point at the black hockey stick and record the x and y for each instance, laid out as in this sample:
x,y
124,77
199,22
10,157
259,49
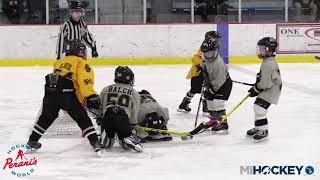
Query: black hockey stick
x,y
208,123
248,84
200,100
197,130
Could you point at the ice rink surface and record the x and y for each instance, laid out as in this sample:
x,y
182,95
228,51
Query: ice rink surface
x,y
294,127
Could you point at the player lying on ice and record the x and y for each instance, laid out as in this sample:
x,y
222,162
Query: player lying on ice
x,y
152,115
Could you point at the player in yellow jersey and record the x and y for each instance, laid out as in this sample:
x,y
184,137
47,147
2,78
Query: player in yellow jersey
x,y
69,87
196,79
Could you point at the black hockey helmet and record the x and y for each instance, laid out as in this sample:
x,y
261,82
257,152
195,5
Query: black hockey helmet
x,y
266,47
212,34
124,75
144,92
153,120
210,48
76,48
77,6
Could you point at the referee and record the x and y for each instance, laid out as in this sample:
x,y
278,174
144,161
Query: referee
x,y
75,28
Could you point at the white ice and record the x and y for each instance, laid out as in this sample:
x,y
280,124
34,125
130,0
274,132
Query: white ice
x,y
294,127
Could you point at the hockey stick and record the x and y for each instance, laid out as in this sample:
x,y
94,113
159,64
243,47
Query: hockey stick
x,y
137,127
208,123
188,135
243,83
200,100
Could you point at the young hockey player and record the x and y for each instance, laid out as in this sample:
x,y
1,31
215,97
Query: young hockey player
x,y
196,78
152,115
267,87
70,83
119,109
217,82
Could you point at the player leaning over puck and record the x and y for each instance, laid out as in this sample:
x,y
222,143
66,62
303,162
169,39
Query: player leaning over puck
x,y
217,82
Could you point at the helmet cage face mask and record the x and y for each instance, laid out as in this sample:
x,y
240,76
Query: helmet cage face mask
x,y
211,55
261,51
77,13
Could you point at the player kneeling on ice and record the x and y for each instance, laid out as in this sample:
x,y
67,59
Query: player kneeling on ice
x,y
217,82
152,115
70,84
119,109
267,87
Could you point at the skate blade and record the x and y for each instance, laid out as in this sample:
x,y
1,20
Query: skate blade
x,y
182,110
30,151
100,153
260,140
222,132
250,137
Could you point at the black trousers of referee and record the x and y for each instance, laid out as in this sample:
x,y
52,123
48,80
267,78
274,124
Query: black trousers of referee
x,y
115,120
60,94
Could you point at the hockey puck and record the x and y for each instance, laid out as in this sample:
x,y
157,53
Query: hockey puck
x,y
186,137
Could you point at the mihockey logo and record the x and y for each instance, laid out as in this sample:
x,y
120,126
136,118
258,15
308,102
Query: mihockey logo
x,y
277,170
18,163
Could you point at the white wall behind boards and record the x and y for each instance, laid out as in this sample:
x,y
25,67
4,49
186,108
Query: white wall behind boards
x,y
131,41
123,41
243,38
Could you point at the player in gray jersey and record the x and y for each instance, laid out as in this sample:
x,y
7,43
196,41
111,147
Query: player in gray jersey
x,y
119,108
267,87
218,83
152,115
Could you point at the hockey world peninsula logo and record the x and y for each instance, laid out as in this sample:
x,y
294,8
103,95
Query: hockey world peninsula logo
x,y
18,163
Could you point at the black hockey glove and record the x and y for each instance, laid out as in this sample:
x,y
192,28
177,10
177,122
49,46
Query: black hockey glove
x,y
93,101
254,91
99,121
199,68
94,52
209,93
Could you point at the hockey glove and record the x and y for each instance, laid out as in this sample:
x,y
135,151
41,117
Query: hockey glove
x,y
99,121
93,101
209,93
94,52
199,68
254,91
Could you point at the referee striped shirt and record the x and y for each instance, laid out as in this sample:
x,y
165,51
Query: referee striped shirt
x,y
74,30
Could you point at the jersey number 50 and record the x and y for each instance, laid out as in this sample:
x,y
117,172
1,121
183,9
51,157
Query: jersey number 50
x,y
118,99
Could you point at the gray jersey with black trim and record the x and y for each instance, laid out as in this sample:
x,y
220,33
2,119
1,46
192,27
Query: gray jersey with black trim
x,y
217,71
269,79
149,105
121,95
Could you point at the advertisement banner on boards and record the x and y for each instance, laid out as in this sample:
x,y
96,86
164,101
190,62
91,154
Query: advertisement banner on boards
x,y
298,38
